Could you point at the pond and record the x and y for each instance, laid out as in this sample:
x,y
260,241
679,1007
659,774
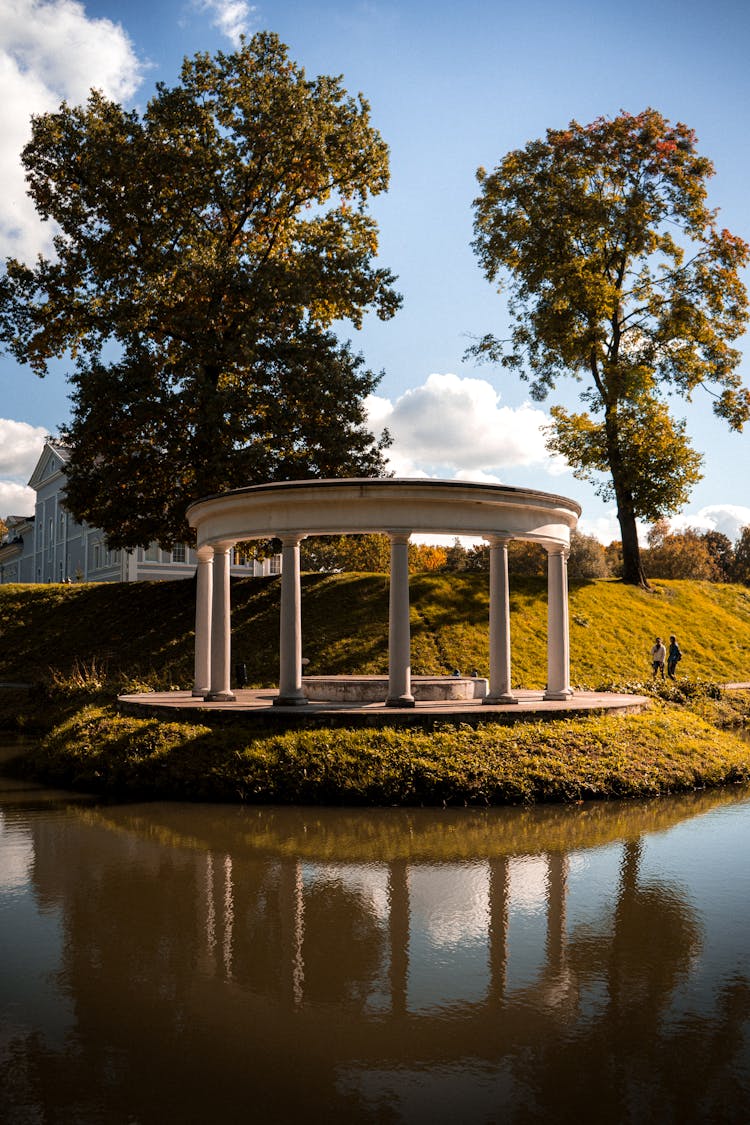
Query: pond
x,y
203,963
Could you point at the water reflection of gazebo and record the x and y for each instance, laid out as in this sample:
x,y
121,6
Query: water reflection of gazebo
x,y
222,944
392,929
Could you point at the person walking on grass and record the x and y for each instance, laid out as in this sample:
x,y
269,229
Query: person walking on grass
x,y
673,656
658,656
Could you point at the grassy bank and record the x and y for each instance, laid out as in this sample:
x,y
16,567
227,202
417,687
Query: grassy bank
x,y
669,749
144,631
79,646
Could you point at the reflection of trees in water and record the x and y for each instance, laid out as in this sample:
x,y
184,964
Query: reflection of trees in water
x,y
233,965
343,945
707,1066
655,935
602,1069
625,1058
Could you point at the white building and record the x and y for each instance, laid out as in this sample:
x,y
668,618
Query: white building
x,y
49,546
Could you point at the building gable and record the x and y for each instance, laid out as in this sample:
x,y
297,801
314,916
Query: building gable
x,y
51,464
50,546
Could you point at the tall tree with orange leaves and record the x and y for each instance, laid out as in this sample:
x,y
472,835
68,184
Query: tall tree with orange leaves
x,y
620,277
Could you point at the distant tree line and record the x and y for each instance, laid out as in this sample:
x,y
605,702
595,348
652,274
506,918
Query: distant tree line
x,y
709,556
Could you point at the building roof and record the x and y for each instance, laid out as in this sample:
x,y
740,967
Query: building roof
x,y
51,463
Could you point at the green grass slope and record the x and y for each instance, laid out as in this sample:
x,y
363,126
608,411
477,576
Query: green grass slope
x,y
145,630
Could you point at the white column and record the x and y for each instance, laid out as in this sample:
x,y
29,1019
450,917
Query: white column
x,y
558,641
399,634
499,688
131,565
221,627
291,693
203,596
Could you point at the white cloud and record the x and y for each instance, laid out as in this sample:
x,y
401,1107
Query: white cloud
x,y
231,17
605,527
456,427
50,50
477,476
729,519
20,446
379,411
16,499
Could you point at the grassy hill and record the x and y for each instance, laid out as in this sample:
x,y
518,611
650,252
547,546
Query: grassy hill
x,y
145,630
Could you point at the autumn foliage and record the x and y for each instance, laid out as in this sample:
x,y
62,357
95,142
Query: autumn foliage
x,y
620,277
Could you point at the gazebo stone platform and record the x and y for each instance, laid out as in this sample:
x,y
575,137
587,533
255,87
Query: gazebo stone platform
x,y
254,708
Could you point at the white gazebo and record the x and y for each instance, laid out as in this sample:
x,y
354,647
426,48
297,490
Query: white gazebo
x,y
290,511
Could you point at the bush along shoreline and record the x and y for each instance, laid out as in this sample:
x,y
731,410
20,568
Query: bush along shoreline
x,y
693,736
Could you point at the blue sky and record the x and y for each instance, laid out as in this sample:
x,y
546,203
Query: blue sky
x,y
451,87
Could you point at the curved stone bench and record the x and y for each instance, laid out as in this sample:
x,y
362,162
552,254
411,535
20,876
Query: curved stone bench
x,y
373,689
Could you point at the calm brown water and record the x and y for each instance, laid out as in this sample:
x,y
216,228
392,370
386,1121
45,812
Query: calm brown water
x,y
174,963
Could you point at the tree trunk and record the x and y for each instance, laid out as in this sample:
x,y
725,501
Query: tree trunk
x,y
208,436
632,570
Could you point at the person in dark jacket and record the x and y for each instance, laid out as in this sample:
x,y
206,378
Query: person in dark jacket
x,y
673,656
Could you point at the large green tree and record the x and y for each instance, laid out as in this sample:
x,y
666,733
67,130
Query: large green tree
x,y
619,276
202,254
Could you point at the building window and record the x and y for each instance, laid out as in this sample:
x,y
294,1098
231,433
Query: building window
x,y
152,553
241,556
178,553
274,564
